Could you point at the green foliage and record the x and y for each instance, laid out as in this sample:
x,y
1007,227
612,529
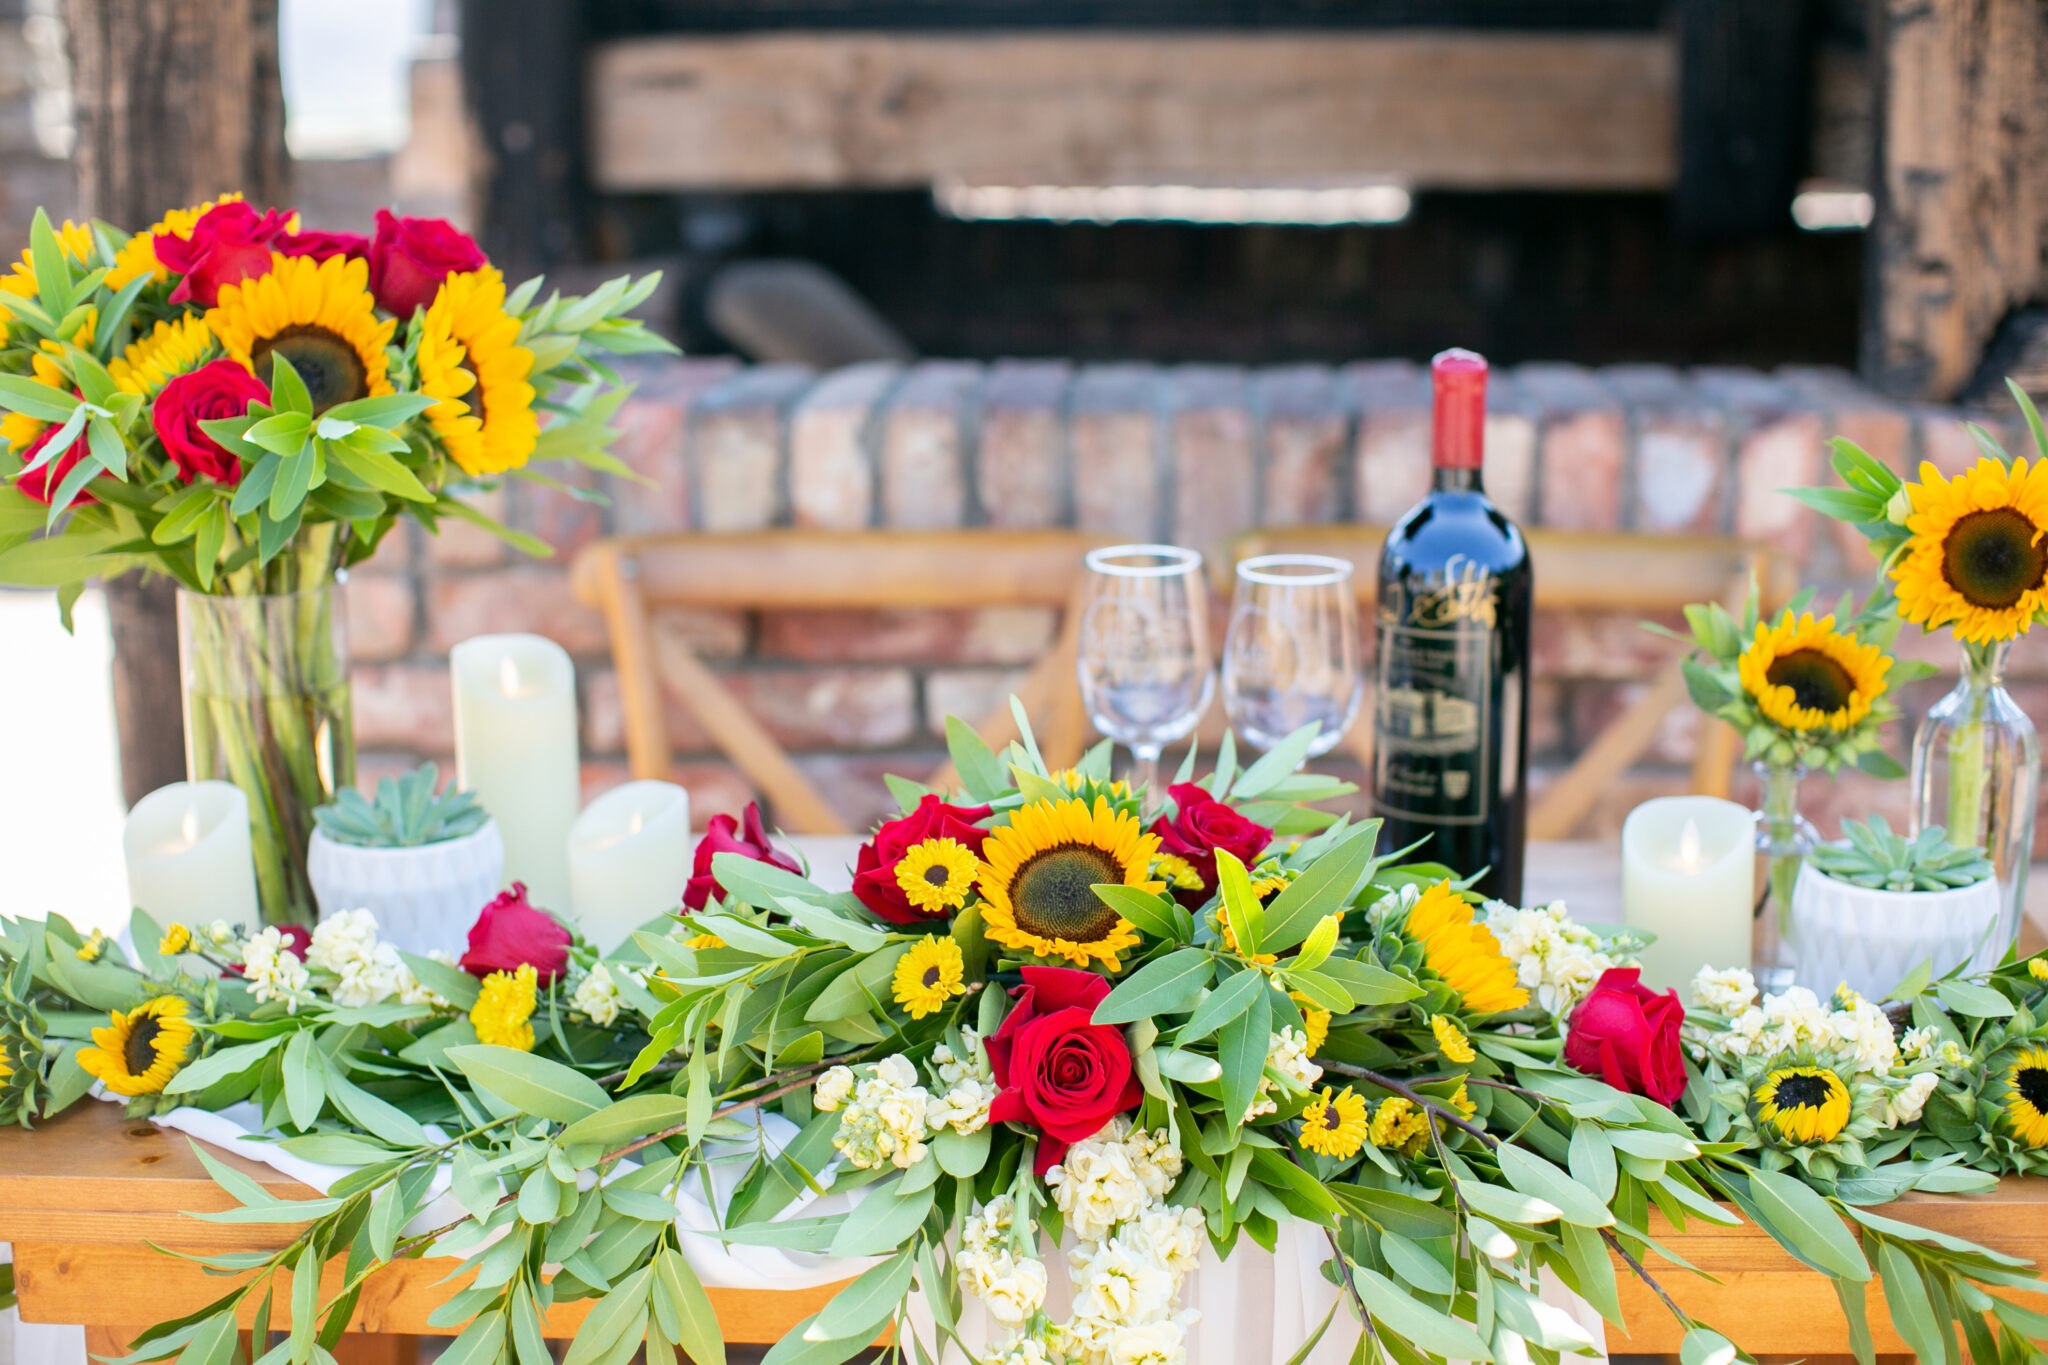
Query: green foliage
x,y
405,813
1871,855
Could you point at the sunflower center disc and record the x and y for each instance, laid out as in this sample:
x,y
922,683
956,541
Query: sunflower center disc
x,y
938,874
140,1053
475,396
1332,1120
1817,681
931,977
1052,895
1993,558
2032,1083
332,370
1802,1092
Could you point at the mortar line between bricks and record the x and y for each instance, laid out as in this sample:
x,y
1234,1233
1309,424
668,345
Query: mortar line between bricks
x,y
869,439
967,418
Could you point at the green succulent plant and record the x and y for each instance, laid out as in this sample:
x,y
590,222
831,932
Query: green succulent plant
x,y
404,814
1871,855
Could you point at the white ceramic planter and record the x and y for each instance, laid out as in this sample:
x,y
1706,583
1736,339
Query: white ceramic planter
x,y
1871,939
424,898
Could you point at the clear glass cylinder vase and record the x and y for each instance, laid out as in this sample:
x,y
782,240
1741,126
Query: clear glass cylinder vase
x,y
1976,770
266,698
1783,839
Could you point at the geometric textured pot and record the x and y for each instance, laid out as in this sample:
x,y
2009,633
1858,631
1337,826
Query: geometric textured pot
x,y
1872,938
424,898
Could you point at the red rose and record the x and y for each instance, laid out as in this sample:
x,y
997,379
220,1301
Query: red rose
x,y
874,870
509,933
1627,1035
1201,826
1060,1073
723,835
321,245
229,243
42,484
411,256
219,388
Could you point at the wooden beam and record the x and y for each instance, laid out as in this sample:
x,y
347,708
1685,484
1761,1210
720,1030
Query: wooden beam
x,y
1437,108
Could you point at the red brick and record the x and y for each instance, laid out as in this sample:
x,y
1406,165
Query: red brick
x,y
924,472
990,635
1116,468
1596,705
1510,472
969,693
1022,460
1390,461
1578,644
1215,490
736,446
1584,454
831,479
1304,439
803,708
1681,471
1944,442
567,517
711,633
1546,717
715,788
395,552
1774,456
380,615
372,768
653,441
852,783
404,706
535,600
460,545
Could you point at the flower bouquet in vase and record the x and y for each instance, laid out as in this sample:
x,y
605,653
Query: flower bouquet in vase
x,y
250,408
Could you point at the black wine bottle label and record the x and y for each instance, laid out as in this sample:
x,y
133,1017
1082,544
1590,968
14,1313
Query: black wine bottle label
x,y
1436,696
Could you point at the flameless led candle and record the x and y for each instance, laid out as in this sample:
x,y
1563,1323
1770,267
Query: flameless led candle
x,y
515,747
629,857
1688,875
187,849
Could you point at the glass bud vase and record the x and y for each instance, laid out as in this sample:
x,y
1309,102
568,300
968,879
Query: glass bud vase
x,y
1976,769
266,697
1783,839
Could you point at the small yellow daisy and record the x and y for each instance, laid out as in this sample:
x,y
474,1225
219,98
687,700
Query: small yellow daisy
x,y
176,940
2038,968
1335,1124
1451,1040
90,950
937,874
928,976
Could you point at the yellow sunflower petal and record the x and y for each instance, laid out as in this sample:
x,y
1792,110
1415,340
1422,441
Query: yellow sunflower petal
x,y
1038,871
1805,674
1977,559
141,1049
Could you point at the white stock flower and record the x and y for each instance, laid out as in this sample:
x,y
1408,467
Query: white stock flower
x,y
1015,1291
1173,1237
1149,1343
1288,1055
1096,1187
1866,1029
412,991
597,996
1727,991
883,1121
1906,1106
1020,1351
967,1087
1918,1044
1556,959
273,970
833,1089
1118,1282
365,970
1156,1156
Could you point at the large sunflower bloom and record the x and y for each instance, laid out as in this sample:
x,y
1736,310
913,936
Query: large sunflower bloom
x,y
1466,955
1805,674
174,348
141,1049
1039,870
1806,1104
73,239
2026,1097
1976,558
318,315
470,359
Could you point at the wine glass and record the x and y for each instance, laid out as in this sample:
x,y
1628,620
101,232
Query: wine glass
x,y
1144,650
1291,653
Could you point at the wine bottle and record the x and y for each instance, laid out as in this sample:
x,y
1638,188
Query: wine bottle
x,y
1451,713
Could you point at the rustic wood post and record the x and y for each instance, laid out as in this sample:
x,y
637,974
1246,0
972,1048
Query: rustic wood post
x,y
522,85
177,101
1961,185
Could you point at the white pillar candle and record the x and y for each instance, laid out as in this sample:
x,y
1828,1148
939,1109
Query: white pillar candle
x,y
1688,875
629,857
515,747
187,849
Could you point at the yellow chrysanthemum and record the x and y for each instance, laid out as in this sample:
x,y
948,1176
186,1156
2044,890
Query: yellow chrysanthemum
x,y
503,1012
703,941
470,359
318,315
2026,1097
1805,674
1806,1104
928,976
1976,558
1315,1024
94,945
1451,1040
1398,1125
176,940
1335,1124
73,239
174,348
2037,967
138,257
1466,955
937,874
1039,870
1229,932
1176,872
18,429
141,1049
1461,1100
6,1058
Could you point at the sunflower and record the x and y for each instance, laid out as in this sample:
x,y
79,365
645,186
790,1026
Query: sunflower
x,y
318,315
94,945
141,1049
1466,955
1808,1104
503,1013
1451,1040
1976,557
1038,872
73,240
138,257
470,359
174,348
928,976
1805,674
2026,1096
937,874
1335,1124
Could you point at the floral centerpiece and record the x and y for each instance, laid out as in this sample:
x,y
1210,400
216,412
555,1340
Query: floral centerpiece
x,y
1040,1037
249,408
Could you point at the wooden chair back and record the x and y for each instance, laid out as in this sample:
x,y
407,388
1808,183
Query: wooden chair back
x,y
1580,571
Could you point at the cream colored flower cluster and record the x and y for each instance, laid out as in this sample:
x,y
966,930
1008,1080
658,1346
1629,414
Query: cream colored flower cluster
x,y
995,1263
1288,1055
357,968
597,996
273,970
1113,1178
967,1087
884,1114
1557,959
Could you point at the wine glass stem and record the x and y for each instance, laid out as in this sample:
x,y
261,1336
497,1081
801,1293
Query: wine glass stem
x,y
1146,776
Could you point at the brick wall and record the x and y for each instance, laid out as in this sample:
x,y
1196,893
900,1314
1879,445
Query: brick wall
x,y
1188,454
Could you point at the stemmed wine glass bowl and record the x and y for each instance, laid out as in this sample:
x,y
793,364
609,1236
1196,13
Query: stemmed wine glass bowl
x,y
1290,655
1144,659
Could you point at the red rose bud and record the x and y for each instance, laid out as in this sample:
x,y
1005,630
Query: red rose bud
x,y
874,871
1201,825
510,933
723,835
42,484
412,256
219,388
1060,1073
321,245
1627,1035
229,243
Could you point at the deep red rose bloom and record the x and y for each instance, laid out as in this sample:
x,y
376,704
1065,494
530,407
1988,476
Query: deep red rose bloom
x,y
42,484
229,243
1200,826
219,388
509,933
874,870
1060,1073
297,937
411,256
1627,1035
723,835
321,245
